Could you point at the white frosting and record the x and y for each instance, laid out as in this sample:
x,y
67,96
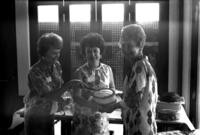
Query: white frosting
x,y
103,93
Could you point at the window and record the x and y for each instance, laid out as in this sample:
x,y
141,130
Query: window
x,y
80,13
149,15
112,12
48,13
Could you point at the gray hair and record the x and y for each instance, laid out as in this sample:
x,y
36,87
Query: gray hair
x,y
133,32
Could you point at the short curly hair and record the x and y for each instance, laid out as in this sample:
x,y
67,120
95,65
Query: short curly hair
x,y
48,40
92,40
133,32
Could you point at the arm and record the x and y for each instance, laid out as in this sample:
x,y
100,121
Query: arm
x,y
112,82
111,108
39,86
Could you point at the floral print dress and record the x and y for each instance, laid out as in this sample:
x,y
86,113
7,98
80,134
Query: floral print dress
x,y
87,121
140,97
42,79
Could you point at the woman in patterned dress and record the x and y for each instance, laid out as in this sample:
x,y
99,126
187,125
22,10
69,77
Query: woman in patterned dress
x,y
88,118
44,81
140,85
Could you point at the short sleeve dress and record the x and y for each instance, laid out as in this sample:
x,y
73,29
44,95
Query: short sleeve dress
x,y
87,121
42,79
140,97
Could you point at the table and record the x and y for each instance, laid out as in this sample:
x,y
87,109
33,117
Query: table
x,y
115,118
66,118
184,120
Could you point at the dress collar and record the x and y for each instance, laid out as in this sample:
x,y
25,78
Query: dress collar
x,y
45,66
100,65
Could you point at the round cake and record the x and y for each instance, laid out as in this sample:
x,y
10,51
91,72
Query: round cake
x,y
168,115
176,106
104,96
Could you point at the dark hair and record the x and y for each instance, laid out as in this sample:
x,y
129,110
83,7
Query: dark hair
x,y
92,40
48,40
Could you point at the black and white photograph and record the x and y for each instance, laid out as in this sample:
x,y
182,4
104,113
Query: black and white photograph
x,y
100,67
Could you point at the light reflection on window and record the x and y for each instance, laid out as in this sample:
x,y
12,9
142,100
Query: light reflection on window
x,y
112,12
80,13
47,13
147,12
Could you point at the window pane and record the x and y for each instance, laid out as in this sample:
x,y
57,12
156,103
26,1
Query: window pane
x,y
47,13
80,13
150,14
112,12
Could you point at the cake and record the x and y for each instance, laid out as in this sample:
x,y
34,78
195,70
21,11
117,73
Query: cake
x,y
169,106
168,111
104,96
176,106
171,97
168,115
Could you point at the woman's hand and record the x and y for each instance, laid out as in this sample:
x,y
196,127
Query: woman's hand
x,y
75,83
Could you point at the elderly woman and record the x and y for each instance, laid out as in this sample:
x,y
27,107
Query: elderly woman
x,y
44,79
140,85
88,117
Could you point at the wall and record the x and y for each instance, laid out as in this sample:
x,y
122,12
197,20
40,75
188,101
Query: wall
x,y
23,44
9,100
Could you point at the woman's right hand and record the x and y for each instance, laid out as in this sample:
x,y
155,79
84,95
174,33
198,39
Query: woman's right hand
x,y
110,108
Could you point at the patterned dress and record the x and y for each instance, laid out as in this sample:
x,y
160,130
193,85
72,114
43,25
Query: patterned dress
x,y
87,121
42,79
140,97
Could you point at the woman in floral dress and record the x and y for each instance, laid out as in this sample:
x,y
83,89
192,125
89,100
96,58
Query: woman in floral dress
x,y
88,118
140,85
